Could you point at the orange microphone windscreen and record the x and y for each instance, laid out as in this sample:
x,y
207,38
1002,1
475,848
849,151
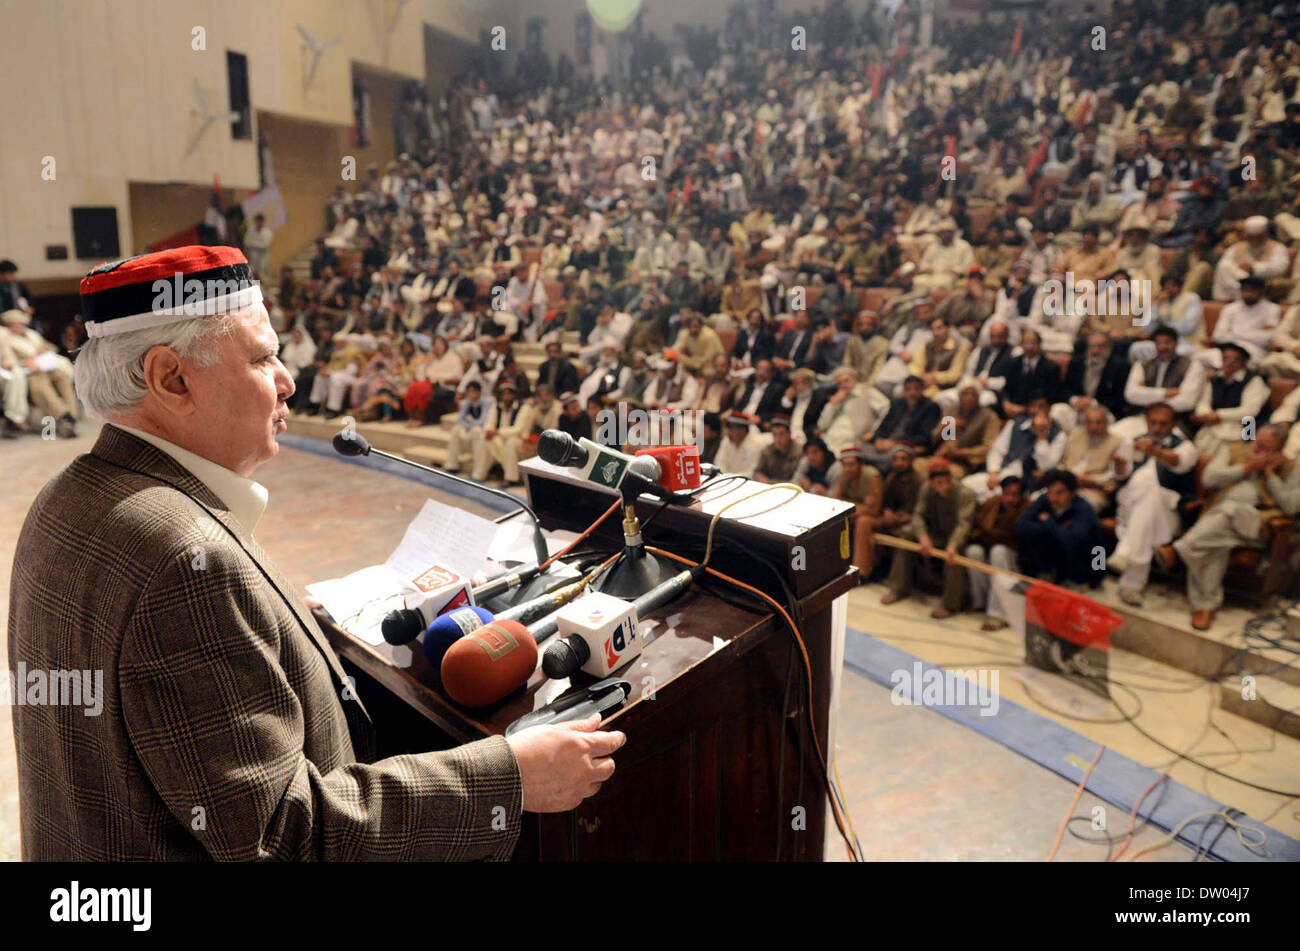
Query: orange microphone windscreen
x,y
489,663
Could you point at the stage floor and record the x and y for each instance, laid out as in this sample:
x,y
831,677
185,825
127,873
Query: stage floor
x,y
919,786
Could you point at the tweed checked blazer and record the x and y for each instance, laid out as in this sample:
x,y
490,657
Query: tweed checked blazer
x,y
227,730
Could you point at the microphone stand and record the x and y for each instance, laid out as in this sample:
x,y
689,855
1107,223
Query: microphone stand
x,y
636,571
354,444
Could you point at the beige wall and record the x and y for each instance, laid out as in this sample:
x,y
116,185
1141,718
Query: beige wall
x,y
106,89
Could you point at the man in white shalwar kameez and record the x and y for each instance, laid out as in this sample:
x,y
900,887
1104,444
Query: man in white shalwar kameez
x,y
1160,461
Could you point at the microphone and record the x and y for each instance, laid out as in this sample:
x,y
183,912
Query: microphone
x,y
442,591
679,466
603,466
504,582
602,632
539,607
349,442
447,629
402,626
489,664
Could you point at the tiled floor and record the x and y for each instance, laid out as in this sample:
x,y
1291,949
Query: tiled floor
x,y
918,785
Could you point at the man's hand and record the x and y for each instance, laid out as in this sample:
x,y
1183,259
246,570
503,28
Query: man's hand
x,y
1258,461
949,554
927,546
563,764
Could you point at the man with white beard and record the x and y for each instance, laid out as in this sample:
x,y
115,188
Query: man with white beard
x,y
852,410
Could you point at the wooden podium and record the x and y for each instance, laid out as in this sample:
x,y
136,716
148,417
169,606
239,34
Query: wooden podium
x,y
719,763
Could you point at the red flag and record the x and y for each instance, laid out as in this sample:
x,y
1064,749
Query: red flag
x,y
877,80
1040,156
1070,616
1019,35
1084,110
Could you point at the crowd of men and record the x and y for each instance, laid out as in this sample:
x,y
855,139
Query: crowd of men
x,y
996,292
35,374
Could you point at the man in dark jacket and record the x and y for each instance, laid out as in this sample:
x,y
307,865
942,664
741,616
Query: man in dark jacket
x,y
1059,535
1097,376
762,392
1030,376
557,371
912,418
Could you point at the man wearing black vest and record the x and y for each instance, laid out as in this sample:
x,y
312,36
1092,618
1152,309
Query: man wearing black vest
x,y
1158,475
1234,395
1166,378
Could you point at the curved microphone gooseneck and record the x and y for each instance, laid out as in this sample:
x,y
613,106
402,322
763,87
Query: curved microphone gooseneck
x,y
349,442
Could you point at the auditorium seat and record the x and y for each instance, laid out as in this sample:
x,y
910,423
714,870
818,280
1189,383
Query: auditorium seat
x,y
1279,387
875,298
728,338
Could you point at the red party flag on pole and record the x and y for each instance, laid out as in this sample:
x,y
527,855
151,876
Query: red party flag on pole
x,y
1017,38
1040,156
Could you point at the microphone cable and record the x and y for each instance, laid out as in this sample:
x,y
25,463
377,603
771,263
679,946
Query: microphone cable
x,y
843,820
583,537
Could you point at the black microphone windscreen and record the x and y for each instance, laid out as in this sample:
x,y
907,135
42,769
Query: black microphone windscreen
x,y
402,626
565,657
349,442
559,448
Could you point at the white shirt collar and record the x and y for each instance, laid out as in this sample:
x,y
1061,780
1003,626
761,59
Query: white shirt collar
x,y
245,498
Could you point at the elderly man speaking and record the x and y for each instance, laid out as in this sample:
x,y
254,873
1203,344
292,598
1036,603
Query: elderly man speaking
x,y
228,728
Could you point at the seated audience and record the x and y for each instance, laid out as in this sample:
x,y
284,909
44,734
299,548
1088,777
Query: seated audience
x,y
940,524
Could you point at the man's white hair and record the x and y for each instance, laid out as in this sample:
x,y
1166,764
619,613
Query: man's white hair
x,y
109,371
